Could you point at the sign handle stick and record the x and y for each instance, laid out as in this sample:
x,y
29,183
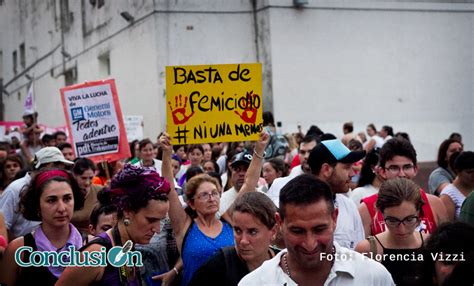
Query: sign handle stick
x,y
105,165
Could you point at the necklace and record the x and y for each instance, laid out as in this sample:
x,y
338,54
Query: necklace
x,y
285,263
287,268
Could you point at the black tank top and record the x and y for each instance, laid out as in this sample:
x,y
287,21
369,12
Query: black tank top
x,y
407,266
34,275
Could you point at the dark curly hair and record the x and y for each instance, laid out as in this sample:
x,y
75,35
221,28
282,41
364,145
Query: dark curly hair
x,y
397,147
31,194
132,187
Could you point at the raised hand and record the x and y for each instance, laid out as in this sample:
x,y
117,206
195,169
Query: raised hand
x,y
165,142
249,115
179,112
262,142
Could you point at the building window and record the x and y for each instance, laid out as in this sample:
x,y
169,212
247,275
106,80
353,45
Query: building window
x,y
15,62
99,3
104,65
66,15
22,56
70,77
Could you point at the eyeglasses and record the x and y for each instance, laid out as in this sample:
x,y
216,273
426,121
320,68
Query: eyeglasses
x,y
408,221
206,196
395,169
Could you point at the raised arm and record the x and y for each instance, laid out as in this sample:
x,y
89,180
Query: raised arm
x,y
253,172
180,221
255,168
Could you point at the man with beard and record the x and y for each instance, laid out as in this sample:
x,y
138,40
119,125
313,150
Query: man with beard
x,y
332,162
307,217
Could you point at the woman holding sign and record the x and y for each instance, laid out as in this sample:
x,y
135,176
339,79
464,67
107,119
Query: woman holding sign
x,y
199,233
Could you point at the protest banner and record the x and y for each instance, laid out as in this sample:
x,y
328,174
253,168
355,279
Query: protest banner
x,y
12,125
95,121
214,103
134,127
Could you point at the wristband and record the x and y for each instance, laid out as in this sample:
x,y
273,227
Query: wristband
x,y
176,270
258,155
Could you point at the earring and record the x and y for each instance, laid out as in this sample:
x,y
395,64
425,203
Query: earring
x,y
126,222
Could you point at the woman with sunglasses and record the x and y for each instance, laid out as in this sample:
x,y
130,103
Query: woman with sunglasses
x,y
400,248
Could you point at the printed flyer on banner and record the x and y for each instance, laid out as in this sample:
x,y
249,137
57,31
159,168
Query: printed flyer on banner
x,y
134,127
214,103
94,119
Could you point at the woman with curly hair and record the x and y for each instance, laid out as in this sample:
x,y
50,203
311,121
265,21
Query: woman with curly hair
x,y
140,196
51,198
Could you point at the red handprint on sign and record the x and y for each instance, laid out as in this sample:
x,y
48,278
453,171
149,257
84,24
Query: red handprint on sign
x,y
249,115
179,112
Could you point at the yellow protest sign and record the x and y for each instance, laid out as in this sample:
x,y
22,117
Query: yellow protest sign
x,y
214,103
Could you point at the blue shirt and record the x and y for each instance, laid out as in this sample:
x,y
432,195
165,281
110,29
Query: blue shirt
x,y
198,248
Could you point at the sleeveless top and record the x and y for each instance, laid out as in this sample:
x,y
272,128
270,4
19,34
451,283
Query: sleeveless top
x,y
198,248
111,274
225,267
427,224
407,266
33,275
456,196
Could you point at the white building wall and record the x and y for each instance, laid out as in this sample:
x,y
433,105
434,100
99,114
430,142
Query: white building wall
x,y
408,64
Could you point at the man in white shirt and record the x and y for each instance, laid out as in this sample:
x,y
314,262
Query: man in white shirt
x,y
307,217
332,162
240,164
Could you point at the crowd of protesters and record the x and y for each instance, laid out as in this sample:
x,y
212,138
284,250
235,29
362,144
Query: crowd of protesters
x,y
293,209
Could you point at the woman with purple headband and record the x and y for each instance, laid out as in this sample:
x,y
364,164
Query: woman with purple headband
x,y
51,198
141,199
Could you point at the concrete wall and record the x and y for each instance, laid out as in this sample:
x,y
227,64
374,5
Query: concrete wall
x,y
403,63
409,65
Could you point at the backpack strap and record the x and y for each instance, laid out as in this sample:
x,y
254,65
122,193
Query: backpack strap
x,y
29,240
